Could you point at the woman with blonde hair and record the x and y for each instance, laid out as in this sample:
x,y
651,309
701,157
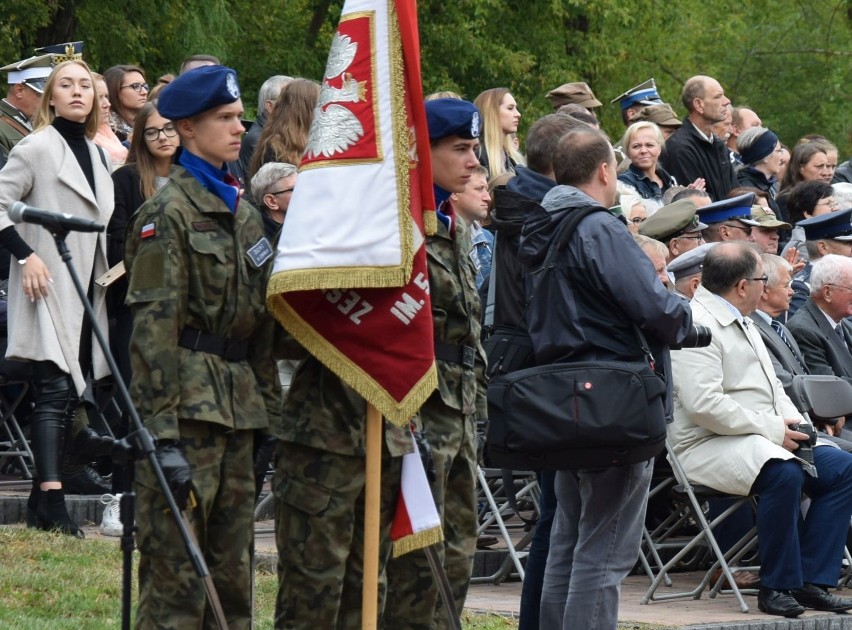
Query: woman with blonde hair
x,y
59,167
106,138
500,118
286,132
642,143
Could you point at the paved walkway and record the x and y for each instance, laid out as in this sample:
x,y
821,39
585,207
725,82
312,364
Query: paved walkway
x,y
720,613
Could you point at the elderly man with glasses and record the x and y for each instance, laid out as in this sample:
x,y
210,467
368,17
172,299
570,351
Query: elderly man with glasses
x,y
272,189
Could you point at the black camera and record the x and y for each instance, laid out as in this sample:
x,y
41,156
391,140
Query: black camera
x,y
806,447
699,337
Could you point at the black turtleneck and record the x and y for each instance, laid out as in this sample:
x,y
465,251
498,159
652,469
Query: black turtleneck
x,y
74,134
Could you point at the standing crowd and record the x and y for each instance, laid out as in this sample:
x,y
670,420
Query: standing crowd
x,y
710,219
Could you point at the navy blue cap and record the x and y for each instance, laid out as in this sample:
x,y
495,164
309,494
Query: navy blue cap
x,y
834,225
736,209
452,117
198,90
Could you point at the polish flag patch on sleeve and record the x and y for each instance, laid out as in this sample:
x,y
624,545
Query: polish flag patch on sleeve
x,y
149,230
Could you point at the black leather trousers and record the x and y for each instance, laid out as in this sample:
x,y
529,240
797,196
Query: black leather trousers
x,y
55,399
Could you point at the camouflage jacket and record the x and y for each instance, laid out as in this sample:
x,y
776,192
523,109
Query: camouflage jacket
x,y
189,265
456,316
322,412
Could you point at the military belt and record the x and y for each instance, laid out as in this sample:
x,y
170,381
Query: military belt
x,y
463,355
225,347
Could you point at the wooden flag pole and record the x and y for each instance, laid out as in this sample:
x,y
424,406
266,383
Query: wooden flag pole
x,y
372,507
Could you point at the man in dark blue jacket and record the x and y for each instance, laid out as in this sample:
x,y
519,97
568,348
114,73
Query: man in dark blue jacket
x,y
585,309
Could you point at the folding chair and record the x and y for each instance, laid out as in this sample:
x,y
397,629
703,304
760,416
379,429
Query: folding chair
x,y
500,502
694,496
14,447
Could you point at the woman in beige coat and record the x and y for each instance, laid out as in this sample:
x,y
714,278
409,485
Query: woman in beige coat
x,y
57,168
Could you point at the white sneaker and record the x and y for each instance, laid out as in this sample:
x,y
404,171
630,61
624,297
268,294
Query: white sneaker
x,y
111,523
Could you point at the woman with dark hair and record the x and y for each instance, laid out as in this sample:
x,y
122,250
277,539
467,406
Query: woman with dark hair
x,y
285,134
149,160
809,162
806,200
500,117
128,92
57,166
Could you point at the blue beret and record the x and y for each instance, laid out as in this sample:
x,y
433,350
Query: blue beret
x,y
836,225
452,117
198,90
736,209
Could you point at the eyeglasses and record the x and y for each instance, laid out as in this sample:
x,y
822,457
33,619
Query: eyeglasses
x,y
839,286
281,192
691,238
638,220
763,279
136,87
152,133
746,229
828,202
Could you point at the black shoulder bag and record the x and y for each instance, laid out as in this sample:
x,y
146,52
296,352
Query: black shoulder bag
x,y
589,414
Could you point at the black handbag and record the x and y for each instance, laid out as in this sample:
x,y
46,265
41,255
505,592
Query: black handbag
x,y
564,416
588,414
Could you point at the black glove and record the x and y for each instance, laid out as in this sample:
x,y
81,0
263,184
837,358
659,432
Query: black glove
x,y
176,470
425,454
481,432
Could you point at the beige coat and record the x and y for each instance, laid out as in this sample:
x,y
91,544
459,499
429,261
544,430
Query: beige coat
x,y
729,405
43,172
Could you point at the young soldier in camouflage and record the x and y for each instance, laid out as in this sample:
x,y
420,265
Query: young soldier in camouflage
x,y
449,417
203,375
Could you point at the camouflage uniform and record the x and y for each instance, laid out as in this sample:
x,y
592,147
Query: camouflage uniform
x,y
189,267
448,420
319,500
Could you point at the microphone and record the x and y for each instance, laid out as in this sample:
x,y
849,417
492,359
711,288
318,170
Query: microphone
x,y
52,221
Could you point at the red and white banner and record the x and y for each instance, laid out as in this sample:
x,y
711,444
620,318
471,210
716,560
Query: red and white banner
x,y
350,281
416,523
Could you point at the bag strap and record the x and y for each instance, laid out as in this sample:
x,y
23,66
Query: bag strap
x,y
488,321
563,235
14,124
103,157
509,488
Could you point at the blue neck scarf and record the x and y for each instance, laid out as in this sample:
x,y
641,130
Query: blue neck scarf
x,y
217,180
442,196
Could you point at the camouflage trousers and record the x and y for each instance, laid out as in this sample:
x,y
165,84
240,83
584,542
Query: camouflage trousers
x,y
319,530
170,594
413,602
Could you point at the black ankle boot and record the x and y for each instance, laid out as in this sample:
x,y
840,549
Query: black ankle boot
x,y
32,505
53,515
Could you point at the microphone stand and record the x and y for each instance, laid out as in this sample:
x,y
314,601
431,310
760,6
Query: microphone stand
x,y
134,446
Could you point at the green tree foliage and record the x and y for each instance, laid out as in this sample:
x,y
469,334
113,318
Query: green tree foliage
x,y
790,60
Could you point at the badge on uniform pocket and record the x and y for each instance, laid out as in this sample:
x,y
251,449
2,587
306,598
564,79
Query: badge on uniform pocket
x,y
260,252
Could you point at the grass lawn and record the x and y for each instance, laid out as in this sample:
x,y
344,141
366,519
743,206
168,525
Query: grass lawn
x,y
56,582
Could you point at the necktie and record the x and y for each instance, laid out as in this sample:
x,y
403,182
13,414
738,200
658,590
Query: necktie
x,y
839,330
778,328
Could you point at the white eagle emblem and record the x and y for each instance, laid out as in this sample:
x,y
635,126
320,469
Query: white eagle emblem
x,y
335,128
231,85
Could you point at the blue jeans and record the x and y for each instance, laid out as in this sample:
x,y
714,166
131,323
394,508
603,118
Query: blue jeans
x,y
537,558
593,544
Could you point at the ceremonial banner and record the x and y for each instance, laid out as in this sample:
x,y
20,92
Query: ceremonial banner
x,y
350,281
416,523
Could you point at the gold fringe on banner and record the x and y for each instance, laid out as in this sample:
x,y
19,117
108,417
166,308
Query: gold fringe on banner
x,y
398,413
416,541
